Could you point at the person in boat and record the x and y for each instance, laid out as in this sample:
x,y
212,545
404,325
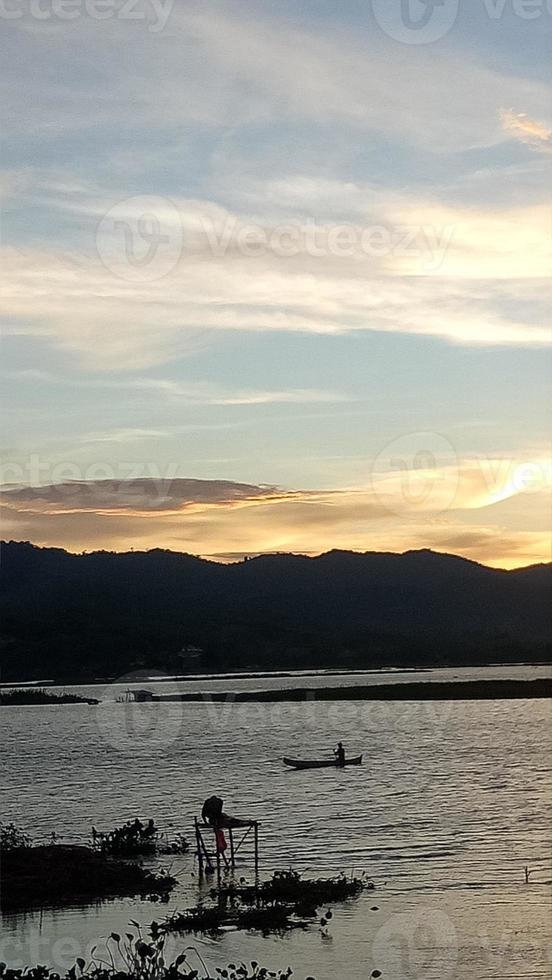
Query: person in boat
x,y
339,753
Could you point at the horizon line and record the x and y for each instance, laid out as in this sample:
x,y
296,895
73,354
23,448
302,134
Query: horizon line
x,y
232,558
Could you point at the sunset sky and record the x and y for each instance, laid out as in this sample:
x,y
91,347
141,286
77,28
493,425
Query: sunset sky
x,y
276,276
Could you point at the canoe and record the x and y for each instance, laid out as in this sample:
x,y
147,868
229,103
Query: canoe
x,y
322,764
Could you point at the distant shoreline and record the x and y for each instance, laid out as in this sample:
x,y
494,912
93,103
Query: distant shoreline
x,y
143,678
248,675
483,690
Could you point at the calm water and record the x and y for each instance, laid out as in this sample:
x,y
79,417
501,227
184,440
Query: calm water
x,y
451,804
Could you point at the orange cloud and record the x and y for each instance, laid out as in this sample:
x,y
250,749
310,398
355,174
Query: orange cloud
x,y
526,130
221,519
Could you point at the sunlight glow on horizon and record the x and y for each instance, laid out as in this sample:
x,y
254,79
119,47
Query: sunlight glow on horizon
x,y
291,254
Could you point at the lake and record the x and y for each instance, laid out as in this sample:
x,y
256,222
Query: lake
x,y
451,804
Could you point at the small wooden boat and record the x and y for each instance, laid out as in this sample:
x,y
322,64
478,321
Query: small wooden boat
x,y
322,764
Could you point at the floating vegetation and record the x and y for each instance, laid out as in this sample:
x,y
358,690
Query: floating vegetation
x,y
276,918
289,888
135,839
201,918
36,695
286,901
57,875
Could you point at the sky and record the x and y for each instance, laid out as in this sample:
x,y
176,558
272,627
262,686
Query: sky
x,y
276,276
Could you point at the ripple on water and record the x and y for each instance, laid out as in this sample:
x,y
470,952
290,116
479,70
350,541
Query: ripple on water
x,y
447,810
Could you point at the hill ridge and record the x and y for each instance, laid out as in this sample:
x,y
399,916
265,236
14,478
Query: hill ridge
x,y
103,613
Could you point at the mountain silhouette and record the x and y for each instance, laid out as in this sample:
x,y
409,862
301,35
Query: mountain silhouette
x,y
103,614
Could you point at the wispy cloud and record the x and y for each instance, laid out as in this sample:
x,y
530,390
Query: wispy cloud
x,y
111,324
527,130
179,392
240,70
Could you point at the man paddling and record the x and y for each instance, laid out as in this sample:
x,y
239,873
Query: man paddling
x,y
340,755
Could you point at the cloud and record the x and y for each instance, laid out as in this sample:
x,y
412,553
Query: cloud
x,y
176,392
111,324
214,66
243,85
214,517
132,496
526,130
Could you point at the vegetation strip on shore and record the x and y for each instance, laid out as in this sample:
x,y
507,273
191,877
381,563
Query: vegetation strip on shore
x,y
481,690
33,695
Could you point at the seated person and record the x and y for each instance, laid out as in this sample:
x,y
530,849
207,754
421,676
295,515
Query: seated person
x,y
212,813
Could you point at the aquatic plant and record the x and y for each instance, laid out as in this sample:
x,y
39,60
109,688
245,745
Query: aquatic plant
x,y
133,958
132,838
178,844
175,971
144,959
12,838
135,838
289,888
58,874
285,901
200,918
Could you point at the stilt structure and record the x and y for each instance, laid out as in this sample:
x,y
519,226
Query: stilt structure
x,y
211,859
